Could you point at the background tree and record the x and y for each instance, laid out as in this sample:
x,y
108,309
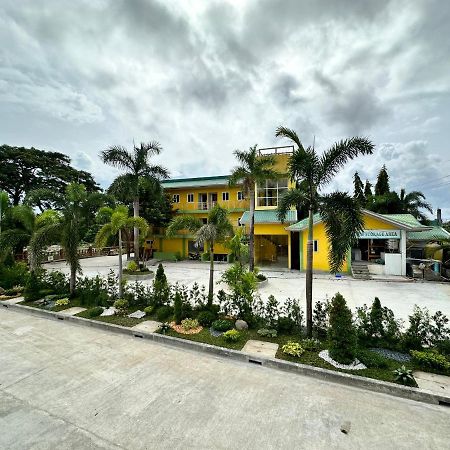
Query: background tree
x,y
358,189
341,213
367,190
253,169
218,229
26,169
119,222
138,170
413,202
382,184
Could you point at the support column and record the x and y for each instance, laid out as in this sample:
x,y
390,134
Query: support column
x,y
403,251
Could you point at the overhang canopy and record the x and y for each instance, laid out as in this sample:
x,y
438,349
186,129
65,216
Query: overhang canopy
x,y
268,216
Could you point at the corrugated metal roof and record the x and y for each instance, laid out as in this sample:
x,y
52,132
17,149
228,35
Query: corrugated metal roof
x,y
406,219
268,216
435,234
175,183
299,226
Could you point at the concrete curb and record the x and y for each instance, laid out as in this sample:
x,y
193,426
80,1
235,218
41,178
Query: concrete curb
x,y
416,394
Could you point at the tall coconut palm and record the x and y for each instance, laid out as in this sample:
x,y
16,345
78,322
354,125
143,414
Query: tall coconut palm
x,y
413,202
66,231
339,211
218,229
138,169
119,222
253,169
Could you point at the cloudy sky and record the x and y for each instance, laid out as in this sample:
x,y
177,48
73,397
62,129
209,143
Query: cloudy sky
x,y
207,77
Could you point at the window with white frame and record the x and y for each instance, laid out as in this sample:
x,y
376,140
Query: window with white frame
x,y
240,195
190,198
270,192
176,198
225,196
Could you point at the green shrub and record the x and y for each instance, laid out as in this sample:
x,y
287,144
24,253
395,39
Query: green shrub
x,y
222,325
376,319
95,311
205,256
292,348
261,277
430,360
32,288
267,332
132,266
149,310
121,305
310,345
11,292
177,306
232,335
62,302
163,313
92,291
443,347
372,359
285,325
16,274
404,376
189,324
206,318
341,334
161,289
164,327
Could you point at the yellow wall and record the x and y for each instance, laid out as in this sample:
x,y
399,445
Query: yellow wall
x,y
320,258
270,228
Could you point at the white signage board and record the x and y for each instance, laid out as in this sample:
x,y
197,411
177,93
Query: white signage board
x,y
379,234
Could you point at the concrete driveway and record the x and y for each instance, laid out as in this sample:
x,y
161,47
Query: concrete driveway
x,y
400,296
70,387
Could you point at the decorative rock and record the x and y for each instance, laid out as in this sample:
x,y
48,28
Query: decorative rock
x,y
241,325
215,333
260,348
150,326
109,311
355,365
137,314
2,291
390,354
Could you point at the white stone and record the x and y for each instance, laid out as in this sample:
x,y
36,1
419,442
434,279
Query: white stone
x,y
137,314
241,325
109,311
260,348
355,365
150,326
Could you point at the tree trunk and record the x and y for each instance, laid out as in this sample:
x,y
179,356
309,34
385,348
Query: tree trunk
x,y
251,242
73,274
120,265
211,275
309,274
136,230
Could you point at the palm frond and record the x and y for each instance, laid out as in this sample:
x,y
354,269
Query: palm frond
x,y
343,221
338,155
25,216
118,156
207,233
179,223
292,198
124,187
156,172
102,236
42,238
289,134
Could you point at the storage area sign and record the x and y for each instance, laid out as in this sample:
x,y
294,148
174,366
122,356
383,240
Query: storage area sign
x,y
380,234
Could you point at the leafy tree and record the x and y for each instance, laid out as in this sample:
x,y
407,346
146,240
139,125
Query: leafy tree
x,y
376,319
253,169
118,223
66,231
218,229
138,170
160,287
367,189
413,202
385,204
382,184
341,334
358,189
177,308
27,169
341,213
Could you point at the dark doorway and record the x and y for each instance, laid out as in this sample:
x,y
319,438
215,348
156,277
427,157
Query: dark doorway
x,y
295,251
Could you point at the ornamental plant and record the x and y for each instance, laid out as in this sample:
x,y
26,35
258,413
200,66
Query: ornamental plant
x,y
430,360
341,334
62,302
292,348
404,376
267,332
222,325
132,266
189,324
177,308
232,335
121,305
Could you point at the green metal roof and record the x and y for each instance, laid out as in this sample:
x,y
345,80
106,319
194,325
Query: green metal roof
x,y
268,216
402,220
175,183
435,234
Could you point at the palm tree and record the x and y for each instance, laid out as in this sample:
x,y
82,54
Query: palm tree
x,y
218,229
339,211
119,222
66,231
253,169
138,170
412,202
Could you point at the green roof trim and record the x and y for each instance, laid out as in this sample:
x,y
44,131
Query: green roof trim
x,y
268,216
219,180
435,234
303,224
406,219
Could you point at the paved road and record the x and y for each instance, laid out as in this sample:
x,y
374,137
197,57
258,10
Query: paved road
x,y
400,296
69,387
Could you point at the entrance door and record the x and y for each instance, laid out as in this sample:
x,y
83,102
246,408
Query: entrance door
x,y
295,251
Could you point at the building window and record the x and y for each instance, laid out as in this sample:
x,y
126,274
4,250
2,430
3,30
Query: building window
x,y
270,192
240,196
204,220
316,245
225,196
190,198
176,198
